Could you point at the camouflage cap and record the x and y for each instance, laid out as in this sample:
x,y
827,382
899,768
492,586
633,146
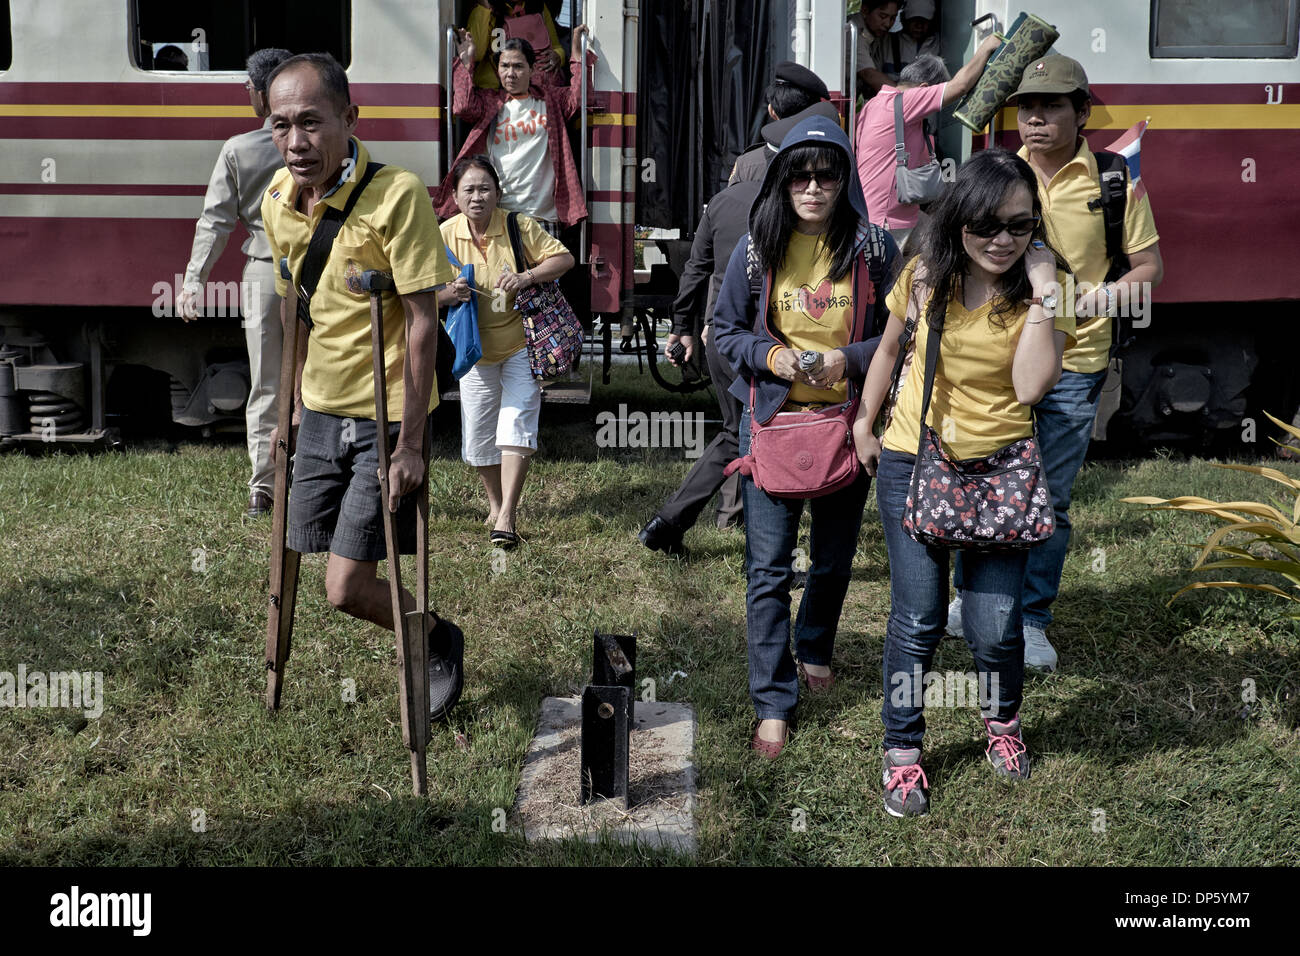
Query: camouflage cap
x,y
1051,75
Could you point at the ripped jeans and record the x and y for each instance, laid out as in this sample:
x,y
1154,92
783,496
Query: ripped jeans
x,y
918,612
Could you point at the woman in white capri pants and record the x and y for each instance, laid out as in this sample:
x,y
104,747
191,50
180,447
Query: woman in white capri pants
x,y
500,401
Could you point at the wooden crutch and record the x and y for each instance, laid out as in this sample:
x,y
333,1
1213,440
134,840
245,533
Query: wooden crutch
x,y
410,628
284,560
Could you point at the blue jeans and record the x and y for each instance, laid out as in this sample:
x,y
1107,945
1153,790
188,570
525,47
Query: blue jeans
x,y
918,612
771,535
1064,417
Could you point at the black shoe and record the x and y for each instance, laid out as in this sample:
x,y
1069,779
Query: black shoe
x,y
260,503
659,535
505,540
799,580
446,668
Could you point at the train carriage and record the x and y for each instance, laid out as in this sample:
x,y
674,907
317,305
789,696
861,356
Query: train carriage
x,y
105,157
1220,84
104,160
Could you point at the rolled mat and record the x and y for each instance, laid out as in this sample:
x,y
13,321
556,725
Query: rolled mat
x,y
1028,39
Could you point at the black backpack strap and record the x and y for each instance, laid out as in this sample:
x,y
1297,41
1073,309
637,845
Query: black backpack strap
x,y
875,255
753,270
1112,174
322,241
516,242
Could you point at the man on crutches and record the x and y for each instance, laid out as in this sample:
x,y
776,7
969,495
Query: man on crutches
x,y
360,245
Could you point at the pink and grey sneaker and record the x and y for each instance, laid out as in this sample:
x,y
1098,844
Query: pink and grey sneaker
x,y
907,791
1006,749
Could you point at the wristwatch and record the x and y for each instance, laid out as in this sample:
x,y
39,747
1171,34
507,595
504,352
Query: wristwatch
x,y
1048,302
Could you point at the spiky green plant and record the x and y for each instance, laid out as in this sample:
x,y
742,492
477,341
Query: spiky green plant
x,y
1274,534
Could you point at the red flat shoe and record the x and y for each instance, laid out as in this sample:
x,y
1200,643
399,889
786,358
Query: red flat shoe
x,y
769,749
817,685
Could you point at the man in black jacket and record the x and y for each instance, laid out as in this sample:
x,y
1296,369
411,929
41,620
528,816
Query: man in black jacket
x,y
725,221
795,89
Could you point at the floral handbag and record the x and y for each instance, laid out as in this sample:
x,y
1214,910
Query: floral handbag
x,y
552,331
998,502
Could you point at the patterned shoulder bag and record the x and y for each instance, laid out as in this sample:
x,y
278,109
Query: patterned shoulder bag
x,y
552,332
998,502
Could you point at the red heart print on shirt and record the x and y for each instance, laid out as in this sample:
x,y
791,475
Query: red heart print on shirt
x,y
815,302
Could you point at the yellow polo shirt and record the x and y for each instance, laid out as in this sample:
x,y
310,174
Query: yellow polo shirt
x,y
1078,234
500,326
392,228
973,406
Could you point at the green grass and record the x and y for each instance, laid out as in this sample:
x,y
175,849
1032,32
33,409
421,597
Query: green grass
x,y
1145,723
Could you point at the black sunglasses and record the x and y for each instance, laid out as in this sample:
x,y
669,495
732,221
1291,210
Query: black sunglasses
x,y
826,178
988,228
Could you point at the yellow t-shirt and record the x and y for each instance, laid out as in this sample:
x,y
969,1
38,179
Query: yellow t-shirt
x,y
973,406
808,311
481,23
500,326
1077,233
392,228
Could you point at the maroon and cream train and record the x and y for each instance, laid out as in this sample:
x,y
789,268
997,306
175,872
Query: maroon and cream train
x,y
104,162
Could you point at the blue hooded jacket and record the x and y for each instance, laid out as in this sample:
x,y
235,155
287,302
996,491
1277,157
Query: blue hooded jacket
x,y
740,322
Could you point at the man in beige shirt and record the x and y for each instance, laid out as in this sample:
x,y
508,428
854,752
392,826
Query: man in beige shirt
x,y
239,180
873,21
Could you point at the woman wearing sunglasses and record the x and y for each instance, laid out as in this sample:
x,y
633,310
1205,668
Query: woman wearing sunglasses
x,y
790,291
987,280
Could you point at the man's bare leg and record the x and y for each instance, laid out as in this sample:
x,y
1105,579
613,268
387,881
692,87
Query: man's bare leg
x,y
355,588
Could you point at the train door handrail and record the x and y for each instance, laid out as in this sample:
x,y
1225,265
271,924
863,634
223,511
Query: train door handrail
x,y
449,74
852,85
585,149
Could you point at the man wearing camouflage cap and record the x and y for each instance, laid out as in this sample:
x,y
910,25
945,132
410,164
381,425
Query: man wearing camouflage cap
x,y
1053,106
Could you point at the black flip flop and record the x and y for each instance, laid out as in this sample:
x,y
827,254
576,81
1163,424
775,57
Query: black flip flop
x,y
504,539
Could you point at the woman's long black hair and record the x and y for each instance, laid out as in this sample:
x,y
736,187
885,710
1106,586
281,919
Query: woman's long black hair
x,y
981,187
774,218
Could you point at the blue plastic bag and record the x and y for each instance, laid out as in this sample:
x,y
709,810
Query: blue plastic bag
x,y
462,326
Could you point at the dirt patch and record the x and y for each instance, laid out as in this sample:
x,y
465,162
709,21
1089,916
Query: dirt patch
x,y
661,780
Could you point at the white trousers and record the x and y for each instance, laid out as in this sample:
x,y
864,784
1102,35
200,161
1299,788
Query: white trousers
x,y
500,406
260,307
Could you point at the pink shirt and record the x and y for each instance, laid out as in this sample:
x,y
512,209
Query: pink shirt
x,y
875,148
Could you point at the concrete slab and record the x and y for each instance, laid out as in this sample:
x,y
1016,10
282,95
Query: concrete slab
x,y
661,775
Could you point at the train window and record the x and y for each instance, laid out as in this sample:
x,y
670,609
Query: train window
x,y
6,37
219,35
1215,29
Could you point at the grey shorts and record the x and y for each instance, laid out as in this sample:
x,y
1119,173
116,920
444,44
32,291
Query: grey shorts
x,y
334,498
